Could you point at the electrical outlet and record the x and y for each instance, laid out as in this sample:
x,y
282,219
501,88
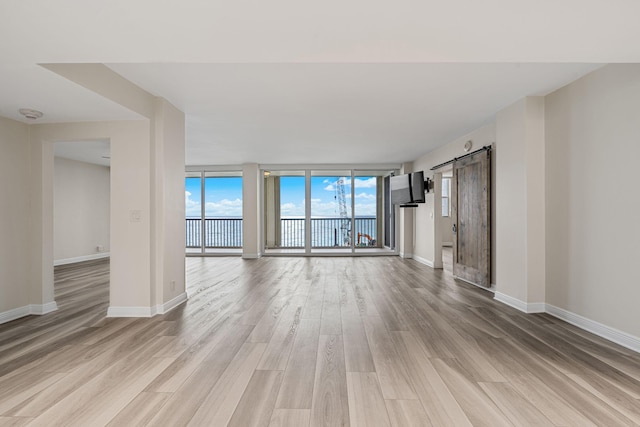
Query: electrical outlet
x,y
135,215
100,248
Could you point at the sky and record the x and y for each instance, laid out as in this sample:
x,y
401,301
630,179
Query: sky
x,y
223,197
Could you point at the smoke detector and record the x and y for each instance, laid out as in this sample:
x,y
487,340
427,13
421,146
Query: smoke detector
x,y
30,114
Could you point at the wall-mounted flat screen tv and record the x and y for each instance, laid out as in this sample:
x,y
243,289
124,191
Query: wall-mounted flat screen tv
x,y
407,190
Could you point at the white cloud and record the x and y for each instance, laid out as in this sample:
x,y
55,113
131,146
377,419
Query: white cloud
x,y
224,208
318,208
366,196
365,209
366,183
192,207
292,210
358,183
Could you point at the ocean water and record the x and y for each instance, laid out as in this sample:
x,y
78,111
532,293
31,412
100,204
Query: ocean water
x,y
325,232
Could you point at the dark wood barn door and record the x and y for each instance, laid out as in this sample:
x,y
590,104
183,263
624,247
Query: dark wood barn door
x,y
471,209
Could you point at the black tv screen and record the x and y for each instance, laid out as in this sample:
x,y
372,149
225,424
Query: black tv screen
x,y
407,189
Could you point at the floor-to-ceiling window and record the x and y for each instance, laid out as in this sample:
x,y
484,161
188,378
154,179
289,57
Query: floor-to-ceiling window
x,y
318,210
367,206
284,207
193,211
213,205
331,219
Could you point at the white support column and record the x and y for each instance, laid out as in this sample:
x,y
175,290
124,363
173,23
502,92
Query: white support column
x,y
405,241
520,205
307,211
41,294
168,213
437,218
250,211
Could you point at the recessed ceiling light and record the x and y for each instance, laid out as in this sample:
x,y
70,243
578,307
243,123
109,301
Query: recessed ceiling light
x,y
30,114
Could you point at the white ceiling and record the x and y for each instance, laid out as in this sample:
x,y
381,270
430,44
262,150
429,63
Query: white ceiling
x,y
310,82
32,86
337,113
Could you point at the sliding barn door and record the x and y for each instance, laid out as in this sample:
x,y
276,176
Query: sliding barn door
x,y
471,209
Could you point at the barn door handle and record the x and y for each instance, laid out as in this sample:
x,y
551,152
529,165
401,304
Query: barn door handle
x,y
454,228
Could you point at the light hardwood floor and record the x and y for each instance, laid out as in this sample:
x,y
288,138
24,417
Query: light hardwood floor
x,y
377,341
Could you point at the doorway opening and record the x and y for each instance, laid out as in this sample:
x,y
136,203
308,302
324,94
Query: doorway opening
x,y
81,222
82,193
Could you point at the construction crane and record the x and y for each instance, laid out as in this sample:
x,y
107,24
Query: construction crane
x,y
345,222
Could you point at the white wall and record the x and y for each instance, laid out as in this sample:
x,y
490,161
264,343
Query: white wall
x,y
168,238
592,152
511,201
147,197
520,204
536,203
81,210
564,171
130,192
405,224
251,215
15,227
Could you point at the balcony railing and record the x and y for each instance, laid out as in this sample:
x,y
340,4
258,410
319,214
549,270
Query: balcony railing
x,y
218,232
325,232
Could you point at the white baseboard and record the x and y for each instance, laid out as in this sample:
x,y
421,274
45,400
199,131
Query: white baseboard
x,y
81,258
130,311
147,311
536,307
173,303
532,307
40,309
626,340
251,256
614,335
27,310
423,261
13,314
